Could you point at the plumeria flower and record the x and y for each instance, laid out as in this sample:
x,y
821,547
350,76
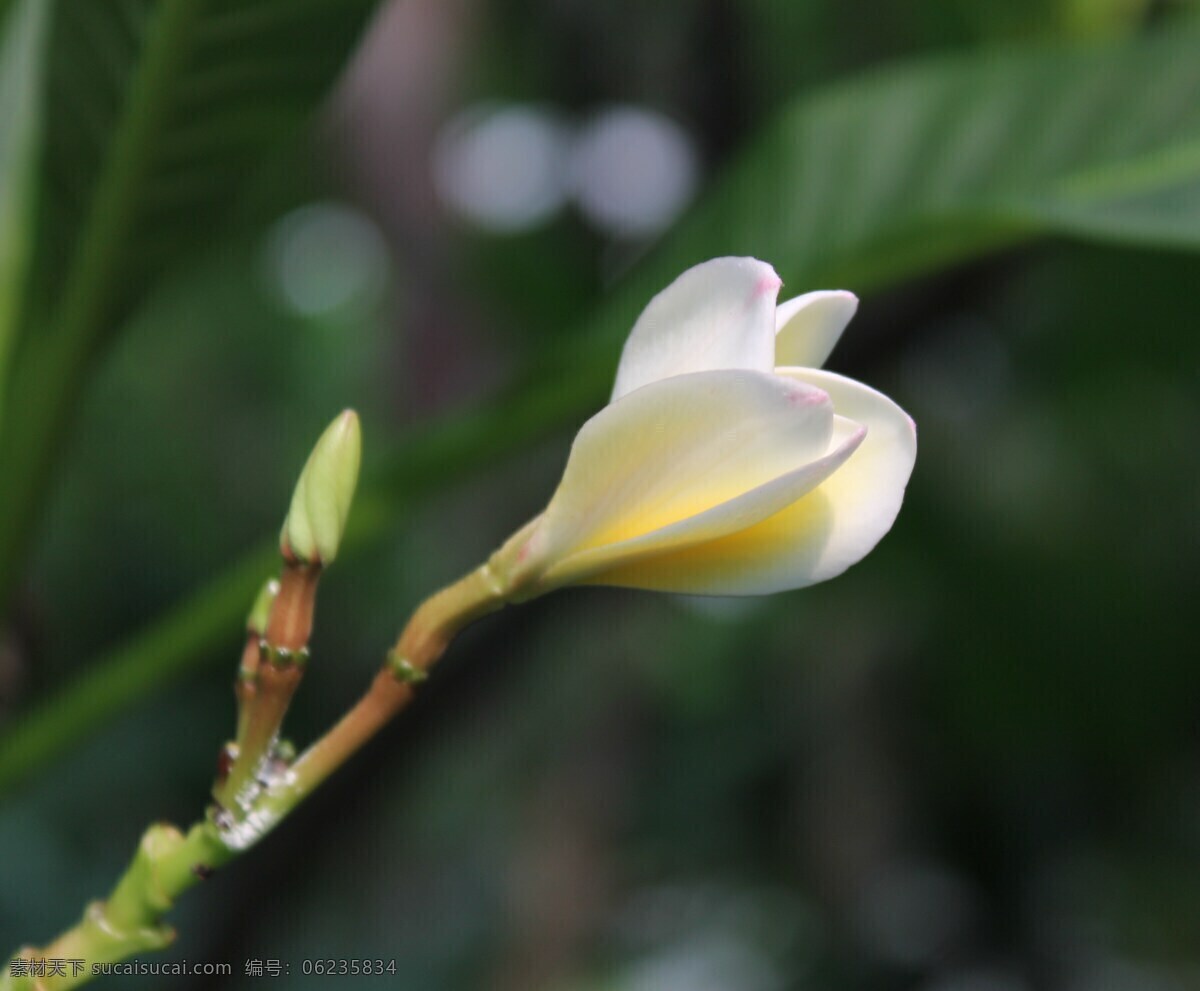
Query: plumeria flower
x,y
726,462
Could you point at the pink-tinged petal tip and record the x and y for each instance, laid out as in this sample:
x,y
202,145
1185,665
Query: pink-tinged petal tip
x,y
803,399
768,285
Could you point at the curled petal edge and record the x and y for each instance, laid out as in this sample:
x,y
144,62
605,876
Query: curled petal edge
x,y
808,327
598,565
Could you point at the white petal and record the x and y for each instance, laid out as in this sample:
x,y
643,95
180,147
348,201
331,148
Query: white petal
x,y
817,537
719,314
809,326
595,566
673,450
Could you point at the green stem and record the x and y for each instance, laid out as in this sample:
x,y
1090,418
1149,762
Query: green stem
x,y
130,920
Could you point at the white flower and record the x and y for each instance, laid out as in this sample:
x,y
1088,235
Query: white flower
x,y
726,462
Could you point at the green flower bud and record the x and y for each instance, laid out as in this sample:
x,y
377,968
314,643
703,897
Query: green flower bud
x,y
316,521
260,612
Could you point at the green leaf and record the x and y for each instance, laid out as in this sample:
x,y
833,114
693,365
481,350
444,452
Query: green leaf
x,y
158,114
21,78
1152,200
915,167
162,112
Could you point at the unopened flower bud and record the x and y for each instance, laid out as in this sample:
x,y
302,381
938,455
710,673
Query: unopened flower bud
x,y
316,521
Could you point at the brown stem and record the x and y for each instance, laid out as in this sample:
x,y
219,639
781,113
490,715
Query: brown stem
x,y
386,697
245,686
276,675
291,620
423,641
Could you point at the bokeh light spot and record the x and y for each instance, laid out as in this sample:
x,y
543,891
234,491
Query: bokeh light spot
x,y
325,258
502,167
633,170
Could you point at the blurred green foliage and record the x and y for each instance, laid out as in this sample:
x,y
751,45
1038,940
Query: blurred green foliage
x,y
969,763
